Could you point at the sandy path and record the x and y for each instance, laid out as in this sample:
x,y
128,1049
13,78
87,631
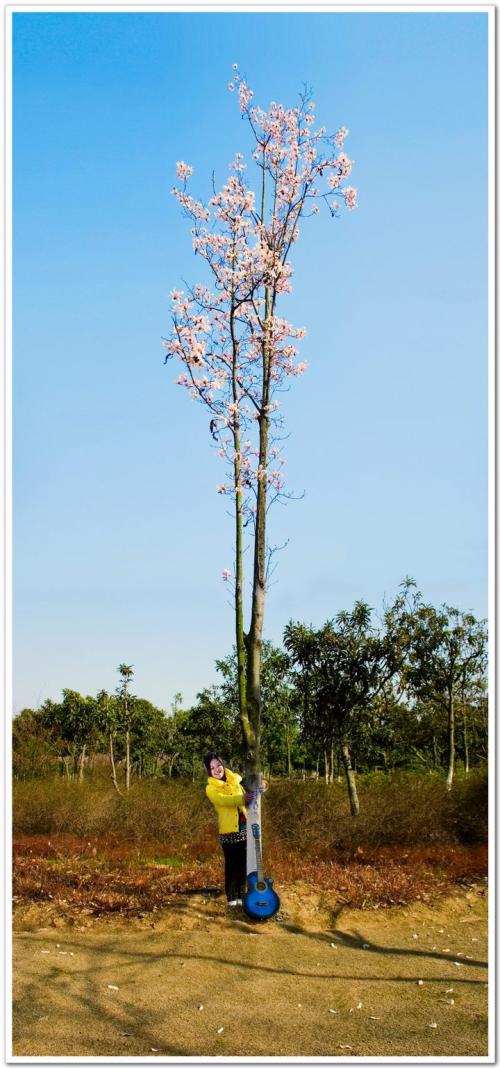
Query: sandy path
x,y
165,967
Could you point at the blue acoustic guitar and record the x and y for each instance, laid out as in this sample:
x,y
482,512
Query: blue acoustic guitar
x,y
260,900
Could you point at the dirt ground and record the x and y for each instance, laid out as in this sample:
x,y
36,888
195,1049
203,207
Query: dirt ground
x,y
191,980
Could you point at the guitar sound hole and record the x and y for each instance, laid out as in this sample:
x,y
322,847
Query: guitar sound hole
x,y
261,886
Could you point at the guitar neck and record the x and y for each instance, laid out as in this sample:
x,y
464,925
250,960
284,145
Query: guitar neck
x,y
258,856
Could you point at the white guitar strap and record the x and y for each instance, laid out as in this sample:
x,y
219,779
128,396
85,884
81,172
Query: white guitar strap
x,y
253,816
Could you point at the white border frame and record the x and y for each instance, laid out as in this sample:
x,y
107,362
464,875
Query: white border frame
x,y
194,8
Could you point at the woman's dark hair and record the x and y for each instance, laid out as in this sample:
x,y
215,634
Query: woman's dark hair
x,y
207,760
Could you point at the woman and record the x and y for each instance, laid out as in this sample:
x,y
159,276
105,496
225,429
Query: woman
x,y
225,792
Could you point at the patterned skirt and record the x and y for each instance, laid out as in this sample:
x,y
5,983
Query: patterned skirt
x,y
233,836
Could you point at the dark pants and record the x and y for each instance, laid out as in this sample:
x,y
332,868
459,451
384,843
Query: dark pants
x,y
235,875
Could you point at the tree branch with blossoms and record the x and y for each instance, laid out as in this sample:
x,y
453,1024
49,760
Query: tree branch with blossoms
x,y
237,353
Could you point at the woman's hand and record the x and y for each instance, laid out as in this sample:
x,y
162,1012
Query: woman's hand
x,y
252,794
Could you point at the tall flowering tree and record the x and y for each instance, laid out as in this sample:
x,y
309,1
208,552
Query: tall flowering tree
x,y
237,353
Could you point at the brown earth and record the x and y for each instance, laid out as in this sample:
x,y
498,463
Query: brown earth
x,y
189,980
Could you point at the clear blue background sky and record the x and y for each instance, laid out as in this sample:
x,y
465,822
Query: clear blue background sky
x,y
119,536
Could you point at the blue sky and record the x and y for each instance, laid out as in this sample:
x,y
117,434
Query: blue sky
x,y
119,536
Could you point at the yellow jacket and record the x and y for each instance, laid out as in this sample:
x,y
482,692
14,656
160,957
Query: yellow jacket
x,y
227,797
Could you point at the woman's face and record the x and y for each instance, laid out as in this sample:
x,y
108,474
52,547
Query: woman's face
x,y
216,769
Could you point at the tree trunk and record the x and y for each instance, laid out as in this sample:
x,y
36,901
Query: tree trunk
x,y
254,638
451,741
288,754
350,779
127,760
241,652
253,643
171,762
113,767
82,761
435,755
327,770
466,744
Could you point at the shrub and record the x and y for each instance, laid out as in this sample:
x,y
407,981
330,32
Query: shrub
x,y
397,809
176,812
400,808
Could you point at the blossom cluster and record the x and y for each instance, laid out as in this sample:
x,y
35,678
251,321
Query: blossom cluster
x,y
236,352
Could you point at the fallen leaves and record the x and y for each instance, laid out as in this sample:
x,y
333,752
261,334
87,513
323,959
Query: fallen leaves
x,y
124,880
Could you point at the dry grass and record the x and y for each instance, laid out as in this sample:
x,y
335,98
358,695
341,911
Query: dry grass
x,y
82,847
101,877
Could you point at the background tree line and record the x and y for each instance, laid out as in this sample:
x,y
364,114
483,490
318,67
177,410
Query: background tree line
x,y
406,691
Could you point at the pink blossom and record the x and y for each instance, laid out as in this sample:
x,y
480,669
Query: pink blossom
x,y
226,574
340,136
344,164
219,334
184,170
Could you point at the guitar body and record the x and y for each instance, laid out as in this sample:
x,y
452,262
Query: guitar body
x,y
260,901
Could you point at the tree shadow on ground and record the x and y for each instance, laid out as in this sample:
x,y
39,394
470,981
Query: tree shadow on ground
x,y
357,941
152,957
123,1018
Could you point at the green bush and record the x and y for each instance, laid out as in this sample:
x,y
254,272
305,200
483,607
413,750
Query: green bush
x,y
401,808
467,807
152,811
